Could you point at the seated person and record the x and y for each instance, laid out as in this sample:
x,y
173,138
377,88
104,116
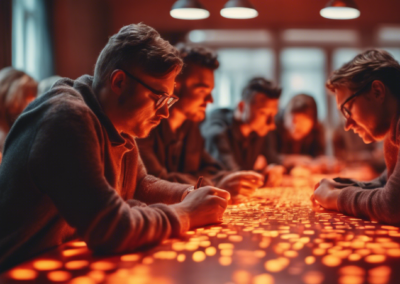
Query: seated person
x,y
17,90
367,91
300,137
71,166
175,149
238,138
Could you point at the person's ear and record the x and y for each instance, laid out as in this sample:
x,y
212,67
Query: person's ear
x,y
241,106
378,91
118,81
177,88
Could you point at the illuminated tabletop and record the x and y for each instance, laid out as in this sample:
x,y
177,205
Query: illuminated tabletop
x,y
274,237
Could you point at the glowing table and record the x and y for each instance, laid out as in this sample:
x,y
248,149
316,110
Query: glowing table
x,y
275,237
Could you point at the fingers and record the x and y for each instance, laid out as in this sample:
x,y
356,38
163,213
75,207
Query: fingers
x,y
250,175
247,191
220,192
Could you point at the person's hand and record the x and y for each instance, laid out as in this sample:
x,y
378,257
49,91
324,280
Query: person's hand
x,y
275,175
243,182
326,194
204,206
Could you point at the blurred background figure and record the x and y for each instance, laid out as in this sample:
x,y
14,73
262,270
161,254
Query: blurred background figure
x,y
17,90
46,84
300,136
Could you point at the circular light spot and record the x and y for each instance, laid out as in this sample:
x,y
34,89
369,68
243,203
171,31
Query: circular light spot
x,y
393,252
82,280
225,260
199,256
181,257
59,276
130,257
313,277
210,251
97,275
78,244
102,265
352,270
331,260
351,279
76,264
47,264
290,253
263,279
375,258
22,274
354,257
309,260
241,277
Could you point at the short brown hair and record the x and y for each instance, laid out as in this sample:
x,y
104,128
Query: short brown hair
x,y
139,45
260,85
199,55
373,64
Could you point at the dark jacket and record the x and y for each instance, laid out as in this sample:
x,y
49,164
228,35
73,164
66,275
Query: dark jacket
x,y
67,172
180,156
313,144
225,142
378,200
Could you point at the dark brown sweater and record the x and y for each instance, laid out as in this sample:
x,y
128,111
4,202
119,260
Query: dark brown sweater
x,y
226,144
379,203
179,157
67,172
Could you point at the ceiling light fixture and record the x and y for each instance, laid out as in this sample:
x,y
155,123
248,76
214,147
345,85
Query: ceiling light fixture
x,y
188,10
340,10
239,9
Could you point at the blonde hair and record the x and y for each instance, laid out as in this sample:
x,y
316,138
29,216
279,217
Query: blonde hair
x,y
373,64
13,95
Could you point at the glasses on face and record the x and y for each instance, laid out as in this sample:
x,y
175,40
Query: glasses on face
x,y
346,111
162,98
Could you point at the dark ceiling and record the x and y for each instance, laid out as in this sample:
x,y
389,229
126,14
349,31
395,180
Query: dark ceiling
x,y
273,14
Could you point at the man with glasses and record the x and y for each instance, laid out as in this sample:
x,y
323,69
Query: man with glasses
x,y
367,91
71,167
175,149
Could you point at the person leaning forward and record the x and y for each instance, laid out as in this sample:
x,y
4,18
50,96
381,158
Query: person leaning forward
x,y
71,166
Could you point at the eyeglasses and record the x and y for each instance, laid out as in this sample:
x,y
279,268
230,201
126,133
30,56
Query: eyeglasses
x,y
162,97
345,111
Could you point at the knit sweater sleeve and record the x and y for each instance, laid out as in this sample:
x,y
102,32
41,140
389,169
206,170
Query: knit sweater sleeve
x,y
65,163
379,204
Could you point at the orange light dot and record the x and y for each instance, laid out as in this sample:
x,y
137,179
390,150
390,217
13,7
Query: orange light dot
x,y
72,252
130,257
235,238
263,279
354,257
331,260
353,279
290,253
76,264
225,246
225,260
47,264
380,271
375,258
210,251
352,270
199,256
181,257
259,253
313,277
78,244
147,260
59,276
393,252
226,252
102,265
97,275
319,251
241,277
309,260
165,255
22,274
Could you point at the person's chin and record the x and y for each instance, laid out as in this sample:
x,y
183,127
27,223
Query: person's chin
x,y
367,139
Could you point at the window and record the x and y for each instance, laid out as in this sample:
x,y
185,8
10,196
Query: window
x,y
303,71
237,67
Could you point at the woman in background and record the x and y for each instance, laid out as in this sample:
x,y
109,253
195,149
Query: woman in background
x,y
17,90
300,136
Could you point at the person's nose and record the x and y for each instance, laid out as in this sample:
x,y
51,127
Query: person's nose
x,y
349,123
163,111
209,99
